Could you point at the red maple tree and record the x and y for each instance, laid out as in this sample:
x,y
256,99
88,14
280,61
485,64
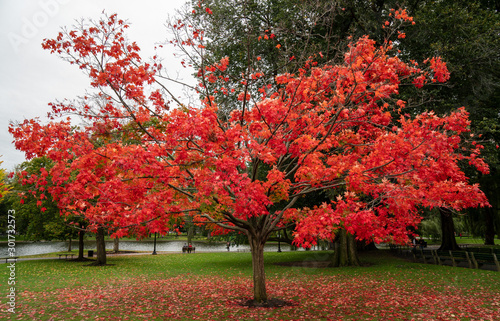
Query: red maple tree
x,y
137,161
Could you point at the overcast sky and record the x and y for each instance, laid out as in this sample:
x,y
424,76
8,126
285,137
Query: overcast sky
x,y
31,77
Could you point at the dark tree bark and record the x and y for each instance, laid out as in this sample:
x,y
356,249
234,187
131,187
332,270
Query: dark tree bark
x,y
259,275
489,233
190,233
489,184
448,241
81,234
364,246
69,244
345,253
101,247
190,230
116,245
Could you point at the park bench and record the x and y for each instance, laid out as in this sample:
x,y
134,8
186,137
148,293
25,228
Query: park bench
x,y
188,249
7,258
66,255
481,259
425,255
394,247
477,249
399,249
474,259
456,257
460,256
487,250
444,257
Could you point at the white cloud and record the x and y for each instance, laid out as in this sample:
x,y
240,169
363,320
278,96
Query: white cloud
x,y
31,77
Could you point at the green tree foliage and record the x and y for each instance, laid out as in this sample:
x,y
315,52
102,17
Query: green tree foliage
x,y
285,33
37,219
4,186
465,34
269,37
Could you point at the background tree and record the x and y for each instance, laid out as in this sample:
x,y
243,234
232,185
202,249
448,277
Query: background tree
x,y
4,187
37,217
268,37
464,33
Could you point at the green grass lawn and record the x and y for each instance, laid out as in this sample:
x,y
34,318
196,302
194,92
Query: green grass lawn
x,y
464,240
211,286
473,240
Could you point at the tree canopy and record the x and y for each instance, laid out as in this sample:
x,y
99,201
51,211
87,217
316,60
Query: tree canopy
x,y
138,161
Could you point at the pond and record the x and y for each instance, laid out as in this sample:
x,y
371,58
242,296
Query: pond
x,y
33,248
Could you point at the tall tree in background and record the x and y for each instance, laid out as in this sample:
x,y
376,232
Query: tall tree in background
x,y
269,37
38,216
464,33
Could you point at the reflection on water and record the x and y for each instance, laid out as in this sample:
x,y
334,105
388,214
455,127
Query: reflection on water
x,y
170,246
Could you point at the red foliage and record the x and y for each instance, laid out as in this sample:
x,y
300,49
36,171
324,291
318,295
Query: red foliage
x,y
332,126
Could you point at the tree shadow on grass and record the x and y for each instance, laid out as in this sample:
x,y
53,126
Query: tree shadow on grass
x,y
306,263
315,264
94,263
84,259
270,303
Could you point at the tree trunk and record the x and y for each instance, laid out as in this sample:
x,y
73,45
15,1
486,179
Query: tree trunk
x,y
80,244
259,274
489,184
190,231
69,245
489,234
101,247
448,241
364,246
345,253
116,245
